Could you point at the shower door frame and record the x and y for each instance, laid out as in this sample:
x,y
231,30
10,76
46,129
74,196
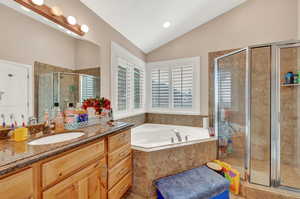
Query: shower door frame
x,y
275,116
247,169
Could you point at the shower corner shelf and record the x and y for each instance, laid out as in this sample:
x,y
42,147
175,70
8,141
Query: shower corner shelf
x,y
289,85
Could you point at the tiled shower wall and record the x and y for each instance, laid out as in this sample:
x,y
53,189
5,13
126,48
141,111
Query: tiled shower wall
x,y
42,68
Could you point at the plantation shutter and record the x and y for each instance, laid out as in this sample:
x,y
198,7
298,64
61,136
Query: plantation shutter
x,y
138,78
160,88
87,85
225,88
182,86
123,86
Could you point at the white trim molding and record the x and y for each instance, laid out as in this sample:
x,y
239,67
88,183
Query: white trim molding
x,y
119,53
195,63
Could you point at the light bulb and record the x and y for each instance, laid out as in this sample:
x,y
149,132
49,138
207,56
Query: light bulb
x,y
71,20
84,28
38,2
56,11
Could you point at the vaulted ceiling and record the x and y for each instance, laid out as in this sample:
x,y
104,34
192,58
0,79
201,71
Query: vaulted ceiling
x,y
142,21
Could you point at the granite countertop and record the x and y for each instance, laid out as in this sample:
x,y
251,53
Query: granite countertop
x,y
16,155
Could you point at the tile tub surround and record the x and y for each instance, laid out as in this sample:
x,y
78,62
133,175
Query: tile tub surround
x,y
149,166
17,155
173,119
137,120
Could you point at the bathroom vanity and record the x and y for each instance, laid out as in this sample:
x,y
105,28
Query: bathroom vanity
x,y
97,165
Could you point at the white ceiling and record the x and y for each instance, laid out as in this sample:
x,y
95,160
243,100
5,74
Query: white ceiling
x,y
141,21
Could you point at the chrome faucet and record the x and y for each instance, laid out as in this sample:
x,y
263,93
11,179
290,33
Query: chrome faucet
x,y
177,135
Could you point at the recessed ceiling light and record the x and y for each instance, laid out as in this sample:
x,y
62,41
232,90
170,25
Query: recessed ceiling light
x,y
71,20
167,24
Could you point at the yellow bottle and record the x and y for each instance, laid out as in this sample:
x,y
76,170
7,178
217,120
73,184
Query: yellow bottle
x,y
20,134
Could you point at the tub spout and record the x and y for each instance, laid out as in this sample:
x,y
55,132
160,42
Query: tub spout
x,y
178,135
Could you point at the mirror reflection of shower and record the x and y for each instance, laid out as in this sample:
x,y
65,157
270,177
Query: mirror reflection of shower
x,y
65,88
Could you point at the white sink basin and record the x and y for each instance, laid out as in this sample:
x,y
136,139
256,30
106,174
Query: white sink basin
x,y
56,138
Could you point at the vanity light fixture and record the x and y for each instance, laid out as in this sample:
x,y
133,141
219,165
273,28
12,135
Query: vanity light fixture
x,y
84,28
25,9
54,14
56,11
71,20
38,2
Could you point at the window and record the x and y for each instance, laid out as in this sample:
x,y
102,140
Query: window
x,y
87,87
175,86
225,88
123,91
160,88
182,81
128,83
138,88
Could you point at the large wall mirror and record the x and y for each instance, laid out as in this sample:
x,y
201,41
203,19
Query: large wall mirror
x,y
41,65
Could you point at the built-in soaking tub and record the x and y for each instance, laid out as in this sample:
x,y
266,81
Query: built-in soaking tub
x,y
152,137
163,150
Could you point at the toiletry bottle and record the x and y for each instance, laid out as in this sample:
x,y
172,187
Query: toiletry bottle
x,y
59,118
59,123
70,114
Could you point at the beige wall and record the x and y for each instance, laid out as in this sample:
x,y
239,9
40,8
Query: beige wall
x,y
25,41
254,22
100,33
87,55
28,40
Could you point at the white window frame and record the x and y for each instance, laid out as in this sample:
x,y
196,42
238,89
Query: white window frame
x,y
195,63
118,52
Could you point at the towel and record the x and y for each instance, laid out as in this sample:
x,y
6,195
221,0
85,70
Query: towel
x,y
198,183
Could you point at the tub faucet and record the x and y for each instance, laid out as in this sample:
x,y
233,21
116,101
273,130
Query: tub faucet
x,y
178,135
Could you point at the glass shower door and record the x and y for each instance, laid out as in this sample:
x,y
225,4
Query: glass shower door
x,y
230,103
288,107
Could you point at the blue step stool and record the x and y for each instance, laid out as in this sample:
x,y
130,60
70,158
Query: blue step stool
x,y
198,183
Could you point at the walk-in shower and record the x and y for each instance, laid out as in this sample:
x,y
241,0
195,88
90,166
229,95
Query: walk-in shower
x,y
257,115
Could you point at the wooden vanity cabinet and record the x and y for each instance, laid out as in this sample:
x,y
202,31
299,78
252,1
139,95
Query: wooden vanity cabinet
x,y
18,186
89,183
81,173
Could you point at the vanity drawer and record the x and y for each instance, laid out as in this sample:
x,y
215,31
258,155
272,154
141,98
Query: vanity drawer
x,y
19,185
118,155
121,188
119,171
118,140
58,168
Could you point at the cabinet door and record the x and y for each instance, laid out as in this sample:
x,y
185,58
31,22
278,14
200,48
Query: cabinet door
x,y
89,183
14,186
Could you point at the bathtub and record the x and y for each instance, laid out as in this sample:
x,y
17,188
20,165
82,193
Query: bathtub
x,y
152,137
157,153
